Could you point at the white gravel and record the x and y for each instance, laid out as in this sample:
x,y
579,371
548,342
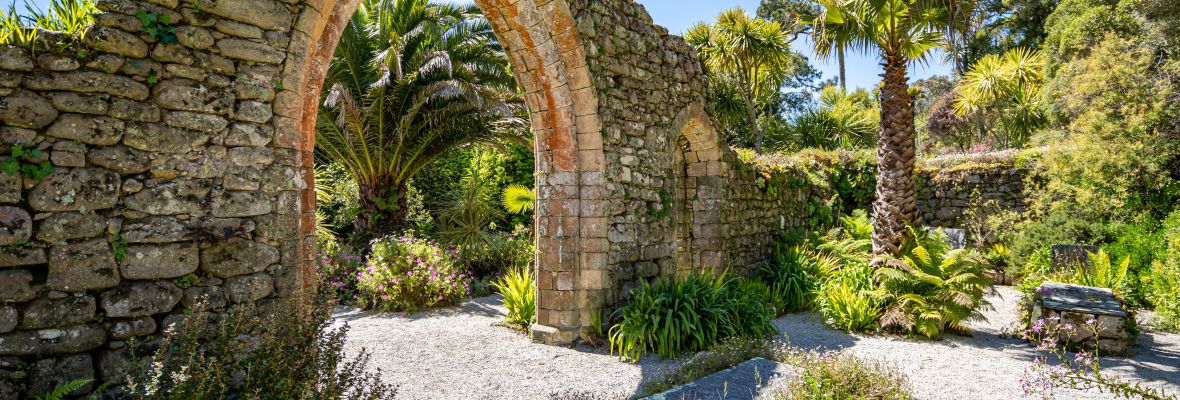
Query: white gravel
x,y
460,353
987,365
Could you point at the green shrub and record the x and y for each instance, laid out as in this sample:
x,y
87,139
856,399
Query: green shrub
x,y
409,274
931,288
1102,273
673,316
840,375
1163,290
520,296
294,351
70,17
339,270
846,307
794,277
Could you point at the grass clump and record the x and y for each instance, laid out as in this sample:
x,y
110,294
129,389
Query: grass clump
x,y
674,316
840,375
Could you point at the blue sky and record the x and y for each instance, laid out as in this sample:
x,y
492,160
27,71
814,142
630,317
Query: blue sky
x,y
679,15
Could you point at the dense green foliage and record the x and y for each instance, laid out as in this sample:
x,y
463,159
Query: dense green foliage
x,y
673,316
71,18
793,277
932,288
747,59
843,120
410,81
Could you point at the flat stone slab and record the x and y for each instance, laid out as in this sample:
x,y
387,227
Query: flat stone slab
x,y
745,381
1081,299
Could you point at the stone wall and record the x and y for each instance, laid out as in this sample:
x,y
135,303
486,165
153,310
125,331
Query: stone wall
x,y
171,182
952,185
772,193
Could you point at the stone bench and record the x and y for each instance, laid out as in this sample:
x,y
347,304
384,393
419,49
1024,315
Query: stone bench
x,y
1074,305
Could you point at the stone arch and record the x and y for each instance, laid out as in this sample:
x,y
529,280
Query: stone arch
x,y
701,236
545,50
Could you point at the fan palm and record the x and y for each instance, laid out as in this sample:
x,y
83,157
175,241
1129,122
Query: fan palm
x,y
410,80
753,55
843,120
832,38
901,31
932,288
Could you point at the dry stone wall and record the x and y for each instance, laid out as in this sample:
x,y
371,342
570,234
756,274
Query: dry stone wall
x,y
170,182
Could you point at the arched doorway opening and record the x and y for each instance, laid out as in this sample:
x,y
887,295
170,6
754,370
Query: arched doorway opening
x,y
543,46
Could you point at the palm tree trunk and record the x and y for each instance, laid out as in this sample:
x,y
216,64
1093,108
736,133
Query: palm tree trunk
x,y
843,77
383,208
752,117
896,203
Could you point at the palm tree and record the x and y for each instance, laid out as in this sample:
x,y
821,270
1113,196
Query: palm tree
x,y
833,35
754,55
843,120
410,80
901,31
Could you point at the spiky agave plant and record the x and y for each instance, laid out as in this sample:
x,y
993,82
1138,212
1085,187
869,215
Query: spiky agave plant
x,y
518,199
931,287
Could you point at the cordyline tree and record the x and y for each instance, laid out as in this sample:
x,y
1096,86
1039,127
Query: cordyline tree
x,y
901,31
409,81
747,57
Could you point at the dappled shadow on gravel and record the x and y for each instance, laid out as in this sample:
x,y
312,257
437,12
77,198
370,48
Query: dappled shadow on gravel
x,y
988,364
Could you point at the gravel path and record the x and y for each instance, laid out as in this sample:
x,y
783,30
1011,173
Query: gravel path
x,y
460,353
986,366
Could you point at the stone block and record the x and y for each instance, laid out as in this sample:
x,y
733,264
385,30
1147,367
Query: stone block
x,y
211,297
51,373
150,262
238,256
82,266
124,329
76,189
140,299
9,318
16,225
52,313
26,109
247,288
68,340
89,129
64,226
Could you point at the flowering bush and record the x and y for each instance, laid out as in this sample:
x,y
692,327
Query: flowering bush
x,y
1081,371
339,268
409,274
